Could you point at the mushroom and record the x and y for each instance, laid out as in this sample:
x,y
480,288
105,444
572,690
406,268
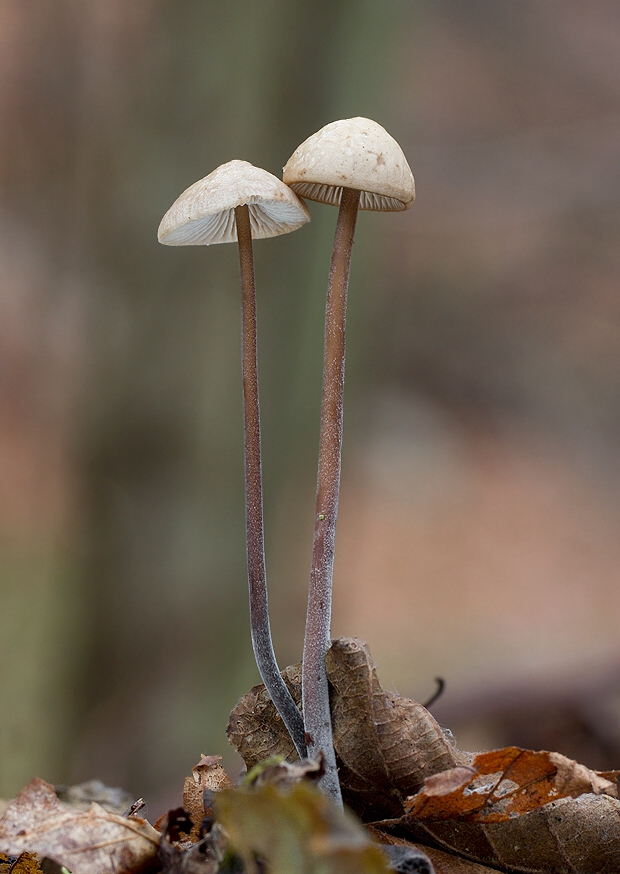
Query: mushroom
x,y
238,201
355,164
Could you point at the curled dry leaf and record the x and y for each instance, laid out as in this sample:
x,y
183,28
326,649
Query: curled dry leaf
x,y
386,745
208,775
86,842
296,829
255,727
505,783
522,810
570,836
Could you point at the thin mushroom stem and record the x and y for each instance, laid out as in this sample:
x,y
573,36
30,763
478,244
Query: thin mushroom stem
x,y
317,717
257,580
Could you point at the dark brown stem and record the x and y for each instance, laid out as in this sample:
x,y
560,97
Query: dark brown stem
x,y
257,580
317,717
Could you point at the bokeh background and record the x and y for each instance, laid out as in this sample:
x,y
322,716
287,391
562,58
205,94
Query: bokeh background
x,y
480,507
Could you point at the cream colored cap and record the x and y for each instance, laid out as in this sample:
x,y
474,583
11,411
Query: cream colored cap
x,y
352,153
205,212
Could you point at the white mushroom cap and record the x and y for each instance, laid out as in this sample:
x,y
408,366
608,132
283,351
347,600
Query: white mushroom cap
x,y
352,153
205,212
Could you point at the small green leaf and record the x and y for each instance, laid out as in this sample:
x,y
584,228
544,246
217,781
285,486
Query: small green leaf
x,y
297,829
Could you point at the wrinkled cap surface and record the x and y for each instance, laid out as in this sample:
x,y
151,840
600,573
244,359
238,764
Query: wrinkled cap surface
x,y
352,153
205,212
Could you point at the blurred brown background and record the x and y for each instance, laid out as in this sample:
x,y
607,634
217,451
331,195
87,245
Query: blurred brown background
x,y
478,531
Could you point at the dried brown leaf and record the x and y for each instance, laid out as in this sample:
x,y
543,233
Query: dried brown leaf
x,y
86,842
537,812
502,784
255,728
207,775
522,811
562,837
26,863
386,745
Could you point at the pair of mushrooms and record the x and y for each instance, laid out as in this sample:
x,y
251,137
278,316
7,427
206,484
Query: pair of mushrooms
x,y
354,164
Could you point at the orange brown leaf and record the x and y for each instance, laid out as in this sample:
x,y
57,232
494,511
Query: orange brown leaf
x,y
504,783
